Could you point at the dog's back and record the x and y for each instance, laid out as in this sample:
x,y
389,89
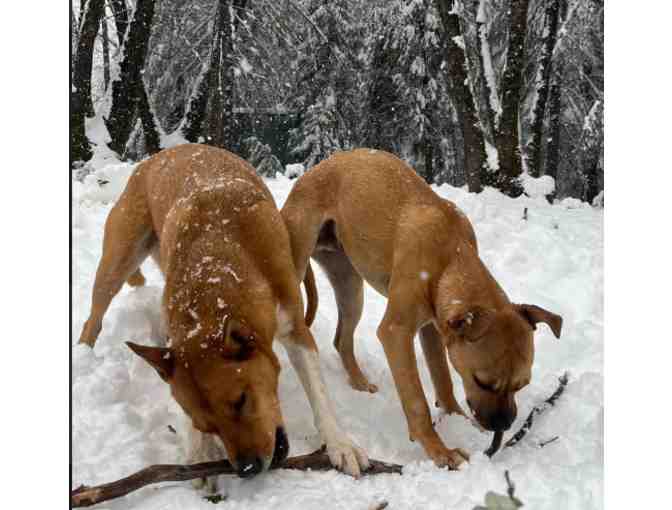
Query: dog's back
x,y
369,193
193,177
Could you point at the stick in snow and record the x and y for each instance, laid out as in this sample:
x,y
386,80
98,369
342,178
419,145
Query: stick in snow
x,y
316,461
537,410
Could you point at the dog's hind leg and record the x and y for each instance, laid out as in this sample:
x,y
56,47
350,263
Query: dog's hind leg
x,y
349,290
435,355
128,240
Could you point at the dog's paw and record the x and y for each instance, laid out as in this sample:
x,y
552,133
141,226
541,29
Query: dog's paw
x,y
450,408
445,457
209,484
363,385
346,456
204,448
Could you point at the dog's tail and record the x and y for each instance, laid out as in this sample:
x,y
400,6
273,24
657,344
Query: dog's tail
x,y
311,293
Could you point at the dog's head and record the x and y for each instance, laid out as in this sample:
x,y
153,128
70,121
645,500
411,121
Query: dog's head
x,y
493,353
228,385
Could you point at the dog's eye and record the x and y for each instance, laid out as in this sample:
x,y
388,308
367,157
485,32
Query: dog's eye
x,y
520,386
238,404
484,386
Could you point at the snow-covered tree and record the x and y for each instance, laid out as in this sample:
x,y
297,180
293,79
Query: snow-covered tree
x,y
325,92
424,111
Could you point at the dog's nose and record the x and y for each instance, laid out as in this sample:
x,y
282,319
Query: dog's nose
x,y
281,446
249,467
501,421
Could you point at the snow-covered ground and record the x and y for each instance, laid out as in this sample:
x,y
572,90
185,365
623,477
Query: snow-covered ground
x,y
121,410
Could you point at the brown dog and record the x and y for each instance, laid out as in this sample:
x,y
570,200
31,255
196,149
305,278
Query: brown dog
x,y
213,228
366,215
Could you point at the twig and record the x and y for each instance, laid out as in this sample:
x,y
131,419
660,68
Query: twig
x,y
537,410
316,461
549,441
380,506
309,20
510,488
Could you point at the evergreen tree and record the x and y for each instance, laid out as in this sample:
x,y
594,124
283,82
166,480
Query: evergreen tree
x,y
327,68
424,112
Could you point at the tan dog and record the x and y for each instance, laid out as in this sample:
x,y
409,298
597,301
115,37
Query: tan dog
x,y
213,228
366,215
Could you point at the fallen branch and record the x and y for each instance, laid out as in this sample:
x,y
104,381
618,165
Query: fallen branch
x,y
316,461
537,410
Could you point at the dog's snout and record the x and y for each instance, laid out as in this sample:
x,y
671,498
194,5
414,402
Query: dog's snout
x,y
281,446
249,467
501,421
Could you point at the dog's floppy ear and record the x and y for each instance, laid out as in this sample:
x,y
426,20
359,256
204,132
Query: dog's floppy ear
x,y
469,323
161,358
535,314
238,341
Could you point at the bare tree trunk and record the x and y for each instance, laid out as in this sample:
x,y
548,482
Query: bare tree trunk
x,y
79,144
149,128
486,111
128,89
89,24
381,98
550,31
507,136
220,83
192,128
120,18
555,110
429,161
106,52
74,30
210,111
219,111
82,6
590,150
554,121
474,146
81,104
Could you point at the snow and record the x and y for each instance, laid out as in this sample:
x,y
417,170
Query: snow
x,y
459,41
121,409
492,156
293,170
537,187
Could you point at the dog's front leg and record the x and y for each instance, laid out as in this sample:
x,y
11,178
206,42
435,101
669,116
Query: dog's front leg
x,y
397,340
203,448
343,453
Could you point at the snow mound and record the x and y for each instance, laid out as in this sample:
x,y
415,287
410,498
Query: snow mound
x,y
574,203
121,410
294,170
104,185
537,187
598,201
